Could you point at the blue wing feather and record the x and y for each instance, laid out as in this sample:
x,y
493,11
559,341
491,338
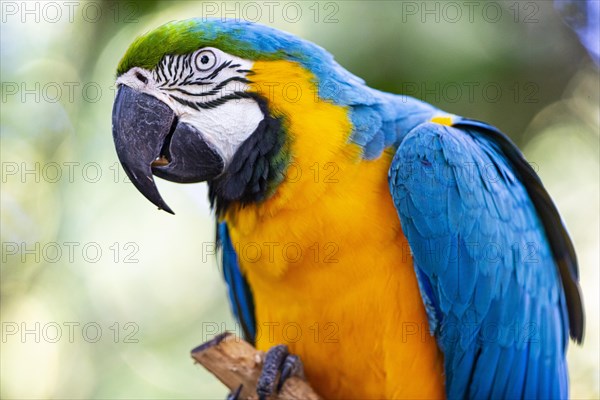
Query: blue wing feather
x,y
240,295
496,306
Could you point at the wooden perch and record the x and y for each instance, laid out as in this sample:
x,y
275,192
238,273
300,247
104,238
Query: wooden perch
x,y
235,362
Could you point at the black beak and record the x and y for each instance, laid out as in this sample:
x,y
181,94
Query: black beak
x,y
150,140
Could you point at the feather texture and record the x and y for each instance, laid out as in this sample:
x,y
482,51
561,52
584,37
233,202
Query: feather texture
x,y
240,295
502,321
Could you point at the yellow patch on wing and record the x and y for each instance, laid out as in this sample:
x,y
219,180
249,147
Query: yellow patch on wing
x,y
445,119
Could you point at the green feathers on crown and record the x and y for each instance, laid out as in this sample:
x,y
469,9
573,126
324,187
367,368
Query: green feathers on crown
x,y
239,38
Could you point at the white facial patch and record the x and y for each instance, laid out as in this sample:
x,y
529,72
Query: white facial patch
x,y
206,89
227,126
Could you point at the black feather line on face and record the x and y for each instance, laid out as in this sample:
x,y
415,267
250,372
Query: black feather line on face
x,y
257,167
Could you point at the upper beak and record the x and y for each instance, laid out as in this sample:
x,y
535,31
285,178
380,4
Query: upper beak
x,y
149,139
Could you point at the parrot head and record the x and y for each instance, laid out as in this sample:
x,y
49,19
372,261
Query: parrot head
x,y
193,105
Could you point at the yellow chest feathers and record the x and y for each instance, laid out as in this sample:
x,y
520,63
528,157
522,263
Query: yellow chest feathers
x,y
330,270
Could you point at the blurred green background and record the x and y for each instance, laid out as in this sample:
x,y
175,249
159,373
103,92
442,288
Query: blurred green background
x,y
102,296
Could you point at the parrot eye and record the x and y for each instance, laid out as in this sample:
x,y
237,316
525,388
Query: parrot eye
x,y
205,60
141,78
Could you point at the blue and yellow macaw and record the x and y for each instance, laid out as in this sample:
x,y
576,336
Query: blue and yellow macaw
x,y
397,250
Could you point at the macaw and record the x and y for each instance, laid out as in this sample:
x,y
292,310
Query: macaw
x,y
375,244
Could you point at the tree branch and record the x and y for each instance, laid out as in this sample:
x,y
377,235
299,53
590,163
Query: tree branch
x,y
235,362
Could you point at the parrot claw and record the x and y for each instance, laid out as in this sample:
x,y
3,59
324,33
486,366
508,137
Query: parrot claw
x,y
235,395
279,365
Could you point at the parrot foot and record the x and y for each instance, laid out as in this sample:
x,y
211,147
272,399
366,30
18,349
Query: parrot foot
x,y
235,395
278,363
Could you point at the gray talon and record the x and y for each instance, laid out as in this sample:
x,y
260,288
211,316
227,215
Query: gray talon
x,y
279,365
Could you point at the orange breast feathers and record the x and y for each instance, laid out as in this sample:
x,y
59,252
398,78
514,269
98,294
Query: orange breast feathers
x,y
329,267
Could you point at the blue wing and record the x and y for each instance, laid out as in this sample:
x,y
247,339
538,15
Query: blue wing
x,y
240,295
486,241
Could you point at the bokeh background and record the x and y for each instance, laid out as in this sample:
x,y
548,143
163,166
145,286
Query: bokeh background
x,y
103,296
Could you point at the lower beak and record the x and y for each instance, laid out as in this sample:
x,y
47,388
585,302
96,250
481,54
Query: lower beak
x,y
149,140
